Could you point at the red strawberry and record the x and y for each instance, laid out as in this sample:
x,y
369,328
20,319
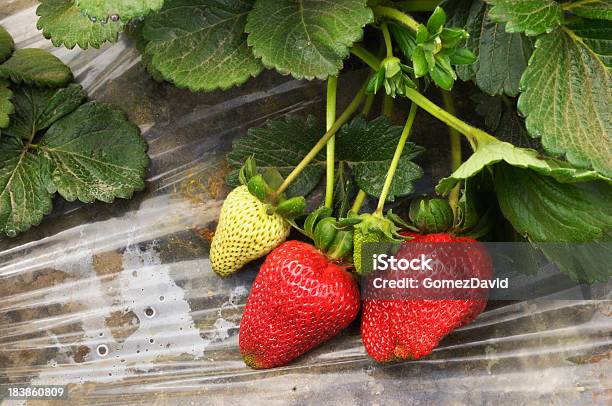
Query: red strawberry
x,y
411,328
299,299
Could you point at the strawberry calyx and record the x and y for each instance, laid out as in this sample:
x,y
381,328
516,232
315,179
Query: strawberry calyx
x,y
383,228
332,236
263,183
431,215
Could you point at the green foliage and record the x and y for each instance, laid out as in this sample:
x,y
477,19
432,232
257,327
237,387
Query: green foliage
x,y
124,10
6,45
35,67
64,24
502,56
547,211
201,44
6,106
533,17
566,97
281,144
434,49
306,38
498,151
370,160
598,9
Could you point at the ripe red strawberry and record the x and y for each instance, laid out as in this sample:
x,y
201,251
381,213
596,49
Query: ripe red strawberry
x,y
412,328
299,299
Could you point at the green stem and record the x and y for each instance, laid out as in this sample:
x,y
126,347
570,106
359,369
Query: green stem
x,y
387,109
473,134
367,106
455,144
358,201
366,56
387,37
394,14
396,158
332,85
417,5
346,114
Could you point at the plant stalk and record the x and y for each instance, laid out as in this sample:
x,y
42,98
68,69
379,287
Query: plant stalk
x,y
366,56
396,158
394,14
332,85
358,201
346,114
455,144
367,105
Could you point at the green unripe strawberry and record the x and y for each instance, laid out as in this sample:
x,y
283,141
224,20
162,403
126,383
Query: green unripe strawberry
x,y
246,231
431,215
372,229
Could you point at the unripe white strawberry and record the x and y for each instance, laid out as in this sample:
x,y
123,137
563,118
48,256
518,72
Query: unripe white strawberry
x,y
245,232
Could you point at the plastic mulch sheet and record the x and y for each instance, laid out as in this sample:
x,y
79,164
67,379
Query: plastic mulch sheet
x,y
119,302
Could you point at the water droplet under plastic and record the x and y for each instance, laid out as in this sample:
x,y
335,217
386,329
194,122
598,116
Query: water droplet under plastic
x,y
102,350
11,233
114,18
149,312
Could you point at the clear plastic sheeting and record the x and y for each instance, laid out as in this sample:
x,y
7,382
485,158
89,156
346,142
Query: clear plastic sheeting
x,y
119,302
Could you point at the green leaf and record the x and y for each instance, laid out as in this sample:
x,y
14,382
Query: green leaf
x,y
436,21
36,109
368,148
498,151
503,121
502,56
6,44
598,9
201,44
64,24
546,211
96,153
24,187
282,144
419,63
6,106
442,78
533,17
596,35
124,10
566,99
36,66
306,38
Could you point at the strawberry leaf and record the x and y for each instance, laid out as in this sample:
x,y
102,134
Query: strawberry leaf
x,y
533,17
6,45
546,211
598,9
35,66
96,153
502,56
498,151
306,38
355,146
36,109
574,82
201,44
282,144
64,24
24,187
118,9
6,106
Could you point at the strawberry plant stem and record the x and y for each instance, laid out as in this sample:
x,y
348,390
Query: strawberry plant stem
x,y
367,106
358,201
332,85
366,56
346,114
394,14
396,157
387,109
455,144
387,37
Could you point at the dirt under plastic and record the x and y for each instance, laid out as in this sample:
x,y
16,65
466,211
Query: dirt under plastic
x,y
119,302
